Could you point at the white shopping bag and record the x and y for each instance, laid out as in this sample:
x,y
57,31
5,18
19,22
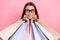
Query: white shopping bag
x,y
25,32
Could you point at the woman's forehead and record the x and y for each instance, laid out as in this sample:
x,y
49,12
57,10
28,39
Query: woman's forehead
x,y
30,7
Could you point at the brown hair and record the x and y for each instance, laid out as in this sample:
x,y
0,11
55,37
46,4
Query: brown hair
x,y
32,4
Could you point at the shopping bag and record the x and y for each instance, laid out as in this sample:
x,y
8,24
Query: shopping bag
x,y
26,32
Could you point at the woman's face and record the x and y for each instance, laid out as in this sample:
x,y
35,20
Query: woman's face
x,y
30,12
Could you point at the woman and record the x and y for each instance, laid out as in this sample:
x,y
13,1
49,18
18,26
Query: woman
x,y
29,16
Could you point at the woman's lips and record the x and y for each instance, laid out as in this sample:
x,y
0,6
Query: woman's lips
x,y
30,16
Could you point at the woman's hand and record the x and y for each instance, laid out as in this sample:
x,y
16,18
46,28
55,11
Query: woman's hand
x,y
25,18
34,18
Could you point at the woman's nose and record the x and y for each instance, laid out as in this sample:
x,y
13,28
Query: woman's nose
x,y
30,12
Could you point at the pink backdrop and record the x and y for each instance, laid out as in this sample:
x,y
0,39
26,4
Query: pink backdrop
x,y
49,12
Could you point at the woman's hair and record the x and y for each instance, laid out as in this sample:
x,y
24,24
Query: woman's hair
x,y
27,4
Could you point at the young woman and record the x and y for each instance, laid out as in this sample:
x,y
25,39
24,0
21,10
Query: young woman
x,y
28,27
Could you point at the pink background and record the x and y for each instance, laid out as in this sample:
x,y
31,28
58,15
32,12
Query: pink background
x,y
49,12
